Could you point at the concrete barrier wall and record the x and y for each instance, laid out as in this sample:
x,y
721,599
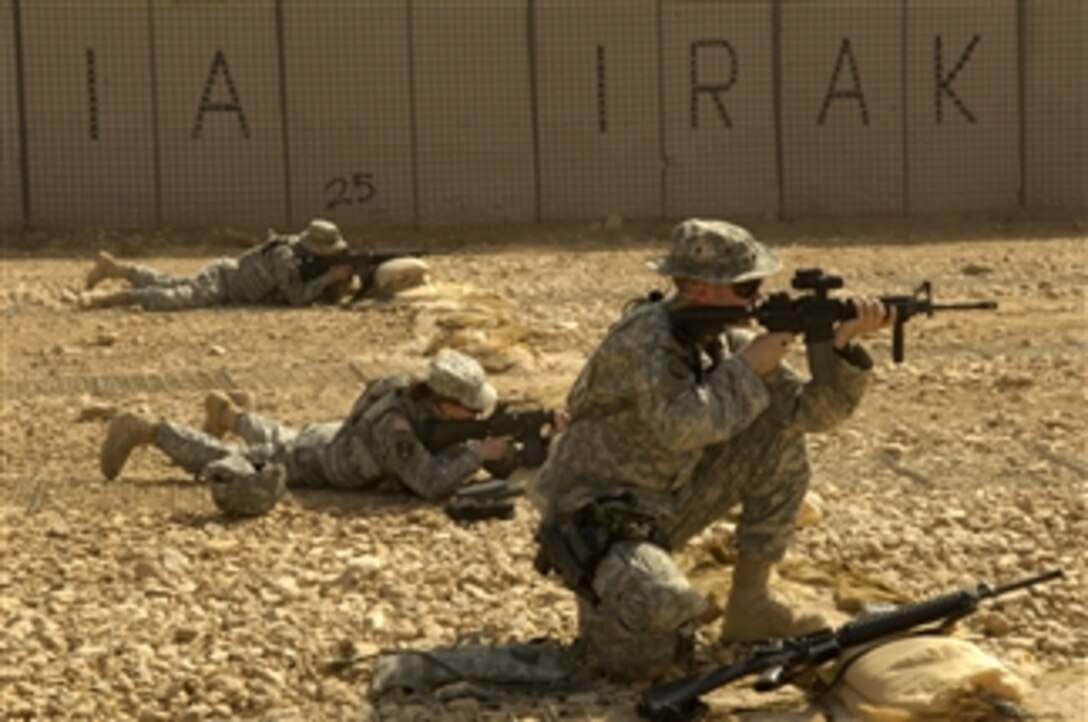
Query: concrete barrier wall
x,y
270,112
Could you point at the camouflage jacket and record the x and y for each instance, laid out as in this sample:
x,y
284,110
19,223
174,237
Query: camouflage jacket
x,y
269,274
645,406
378,443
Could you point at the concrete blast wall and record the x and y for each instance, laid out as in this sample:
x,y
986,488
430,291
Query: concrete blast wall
x,y
137,113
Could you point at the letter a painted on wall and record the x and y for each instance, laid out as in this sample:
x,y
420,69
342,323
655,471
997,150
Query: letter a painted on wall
x,y
207,105
854,91
943,83
715,90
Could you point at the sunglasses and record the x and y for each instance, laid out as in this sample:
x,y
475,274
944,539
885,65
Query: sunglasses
x,y
747,289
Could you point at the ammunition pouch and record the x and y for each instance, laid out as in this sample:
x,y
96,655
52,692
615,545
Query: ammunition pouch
x,y
573,546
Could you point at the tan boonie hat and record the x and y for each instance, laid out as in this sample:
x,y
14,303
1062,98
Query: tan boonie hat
x,y
322,238
455,376
716,252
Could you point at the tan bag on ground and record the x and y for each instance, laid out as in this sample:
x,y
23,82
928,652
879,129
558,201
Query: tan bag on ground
x,y
924,679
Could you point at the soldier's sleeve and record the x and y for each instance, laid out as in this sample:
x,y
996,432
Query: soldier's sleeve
x,y
684,411
401,455
289,280
810,407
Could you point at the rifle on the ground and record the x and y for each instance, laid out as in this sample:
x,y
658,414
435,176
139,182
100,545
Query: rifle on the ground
x,y
363,263
494,499
529,428
780,661
814,315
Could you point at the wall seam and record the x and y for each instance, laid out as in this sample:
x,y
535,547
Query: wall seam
x,y
776,102
20,110
534,107
409,8
156,139
281,53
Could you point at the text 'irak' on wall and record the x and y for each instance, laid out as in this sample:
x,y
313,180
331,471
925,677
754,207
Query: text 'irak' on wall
x,y
429,111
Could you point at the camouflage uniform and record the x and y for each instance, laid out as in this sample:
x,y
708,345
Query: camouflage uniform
x,y
374,447
672,435
267,274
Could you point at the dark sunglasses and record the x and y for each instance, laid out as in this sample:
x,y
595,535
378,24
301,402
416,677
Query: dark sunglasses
x,y
747,289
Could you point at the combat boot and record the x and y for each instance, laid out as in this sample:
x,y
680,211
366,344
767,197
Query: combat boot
x,y
223,410
105,267
125,432
754,612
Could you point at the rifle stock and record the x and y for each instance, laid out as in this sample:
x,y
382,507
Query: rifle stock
x,y
781,660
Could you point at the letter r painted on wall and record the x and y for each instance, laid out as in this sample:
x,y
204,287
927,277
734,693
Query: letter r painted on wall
x,y
714,90
220,70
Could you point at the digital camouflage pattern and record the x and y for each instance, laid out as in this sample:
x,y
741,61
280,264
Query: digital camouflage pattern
x,y
239,488
266,274
685,434
375,446
716,252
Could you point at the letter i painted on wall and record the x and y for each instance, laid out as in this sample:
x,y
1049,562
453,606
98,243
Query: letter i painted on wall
x,y
92,95
207,105
602,95
834,92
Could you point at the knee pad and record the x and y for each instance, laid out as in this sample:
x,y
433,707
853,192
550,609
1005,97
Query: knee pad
x,y
643,587
644,622
242,488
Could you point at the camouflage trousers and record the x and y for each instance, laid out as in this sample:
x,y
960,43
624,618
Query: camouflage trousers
x,y
643,623
265,441
157,291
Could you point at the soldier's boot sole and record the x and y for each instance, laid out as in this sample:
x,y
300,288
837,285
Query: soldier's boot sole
x,y
126,431
105,267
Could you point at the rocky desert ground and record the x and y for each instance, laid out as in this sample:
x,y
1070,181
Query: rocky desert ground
x,y
136,600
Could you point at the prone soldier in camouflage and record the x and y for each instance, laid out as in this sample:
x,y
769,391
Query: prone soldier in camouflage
x,y
266,274
666,434
375,447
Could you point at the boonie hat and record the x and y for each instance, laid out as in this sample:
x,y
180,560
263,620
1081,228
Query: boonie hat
x,y
461,378
716,252
322,238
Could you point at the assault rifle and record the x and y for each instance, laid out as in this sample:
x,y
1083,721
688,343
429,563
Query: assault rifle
x,y
780,661
363,263
529,428
814,315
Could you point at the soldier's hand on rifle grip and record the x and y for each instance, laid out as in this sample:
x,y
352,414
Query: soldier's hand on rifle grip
x,y
560,421
872,316
492,448
340,273
765,352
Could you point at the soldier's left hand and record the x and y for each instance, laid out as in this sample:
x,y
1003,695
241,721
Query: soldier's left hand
x,y
872,316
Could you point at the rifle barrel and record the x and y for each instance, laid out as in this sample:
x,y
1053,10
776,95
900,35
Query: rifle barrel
x,y
1024,583
966,306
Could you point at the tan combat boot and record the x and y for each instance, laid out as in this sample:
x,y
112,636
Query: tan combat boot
x,y
125,432
223,410
754,612
105,267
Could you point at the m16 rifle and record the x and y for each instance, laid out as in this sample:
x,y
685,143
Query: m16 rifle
x,y
780,661
814,315
363,264
530,429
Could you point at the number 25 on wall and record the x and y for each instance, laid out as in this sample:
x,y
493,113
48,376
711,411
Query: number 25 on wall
x,y
344,191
